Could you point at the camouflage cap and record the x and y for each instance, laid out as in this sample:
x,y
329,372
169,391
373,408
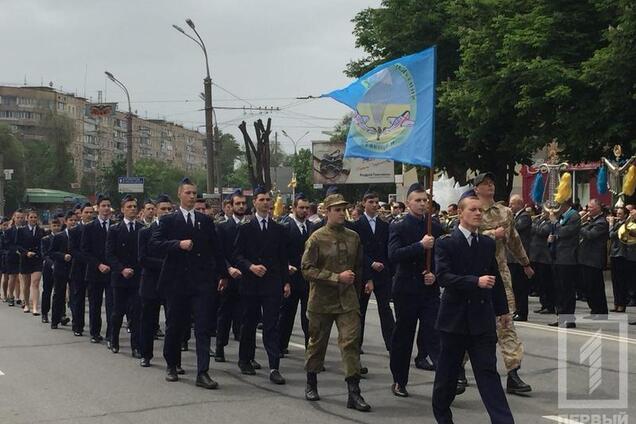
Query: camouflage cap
x,y
335,200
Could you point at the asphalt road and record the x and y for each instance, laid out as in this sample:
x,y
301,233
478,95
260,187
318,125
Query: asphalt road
x,y
49,376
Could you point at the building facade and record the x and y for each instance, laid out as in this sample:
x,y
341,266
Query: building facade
x,y
100,131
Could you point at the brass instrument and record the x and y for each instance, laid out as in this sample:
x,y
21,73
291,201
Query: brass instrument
x,y
585,217
627,231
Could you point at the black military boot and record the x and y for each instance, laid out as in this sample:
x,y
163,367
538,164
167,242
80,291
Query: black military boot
x,y
515,384
311,390
356,401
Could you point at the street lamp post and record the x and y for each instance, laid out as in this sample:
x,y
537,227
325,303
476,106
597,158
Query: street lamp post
x,y
295,143
209,126
129,134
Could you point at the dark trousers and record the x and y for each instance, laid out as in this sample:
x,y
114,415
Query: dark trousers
x,y
180,308
78,304
228,315
150,308
97,290
565,278
620,280
544,282
410,308
520,288
47,287
483,358
594,284
59,298
126,301
288,309
382,292
271,337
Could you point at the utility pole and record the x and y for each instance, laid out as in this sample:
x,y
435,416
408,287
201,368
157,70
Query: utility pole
x,y
209,125
129,131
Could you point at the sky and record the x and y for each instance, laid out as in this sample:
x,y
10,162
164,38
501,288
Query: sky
x,y
263,52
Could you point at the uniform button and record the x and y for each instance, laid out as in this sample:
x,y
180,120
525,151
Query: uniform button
x,y
198,254
481,301
468,301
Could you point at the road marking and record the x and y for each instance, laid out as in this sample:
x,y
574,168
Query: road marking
x,y
1,373
560,419
292,344
583,333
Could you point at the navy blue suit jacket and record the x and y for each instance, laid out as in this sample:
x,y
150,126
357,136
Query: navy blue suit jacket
x,y
150,264
93,247
409,256
60,246
121,252
78,263
186,272
295,249
25,241
227,232
255,247
375,247
465,308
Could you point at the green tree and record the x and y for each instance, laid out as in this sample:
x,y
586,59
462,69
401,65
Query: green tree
x,y
12,152
301,163
59,133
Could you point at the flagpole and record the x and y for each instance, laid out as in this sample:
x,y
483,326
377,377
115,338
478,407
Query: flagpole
x,y
431,172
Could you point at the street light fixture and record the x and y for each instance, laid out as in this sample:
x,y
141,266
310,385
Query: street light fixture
x,y
294,142
210,130
129,142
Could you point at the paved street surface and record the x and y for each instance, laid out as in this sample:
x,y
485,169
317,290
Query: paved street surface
x,y
49,376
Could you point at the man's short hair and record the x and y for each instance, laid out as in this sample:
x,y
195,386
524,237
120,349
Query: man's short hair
x,y
462,202
370,195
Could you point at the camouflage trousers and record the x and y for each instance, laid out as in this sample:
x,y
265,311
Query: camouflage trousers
x,y
509,343
348,325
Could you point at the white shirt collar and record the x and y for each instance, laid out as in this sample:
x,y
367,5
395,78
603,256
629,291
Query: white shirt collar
x,y
236,219
300,224
371,218
127,222
466,233
261,218
101,221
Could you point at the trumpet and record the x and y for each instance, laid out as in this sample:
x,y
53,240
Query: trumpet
x,y
585,217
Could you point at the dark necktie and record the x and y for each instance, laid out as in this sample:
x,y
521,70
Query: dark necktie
x,y
131,227
104,226
263,225
304,229
473,242
189,220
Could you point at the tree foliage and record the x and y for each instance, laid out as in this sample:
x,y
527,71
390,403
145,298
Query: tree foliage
x,y
513,75
13,158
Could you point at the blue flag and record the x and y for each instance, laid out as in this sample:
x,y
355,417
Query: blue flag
x,y
394,110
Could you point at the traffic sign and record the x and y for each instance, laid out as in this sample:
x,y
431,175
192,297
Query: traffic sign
x,y
130,184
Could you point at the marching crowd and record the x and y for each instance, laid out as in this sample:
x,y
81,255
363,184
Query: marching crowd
x,y
449,282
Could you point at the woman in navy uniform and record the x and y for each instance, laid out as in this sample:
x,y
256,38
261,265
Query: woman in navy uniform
x,y
61,255
474,295
28,240
13,257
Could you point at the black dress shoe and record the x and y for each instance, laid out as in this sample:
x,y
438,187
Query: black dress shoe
x,y
570,324
45,319
516,385
259,326
554,324
53,326
255,365
11,302
632,323
246,368
519,318
399,391
212,353
180,370
220,354
171,375
364,370
136,354
424,364
65,321
159,333
77,333
184,347
100,338
94,339
204,380
114,348
311,389
144,362
548,311
275,377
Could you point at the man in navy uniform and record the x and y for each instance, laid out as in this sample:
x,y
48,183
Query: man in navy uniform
x,y
55,225
415,293
474,295
78,281
151,300
260,253
374,235
189,280
229,313
298,229
93,247
60,253
121,256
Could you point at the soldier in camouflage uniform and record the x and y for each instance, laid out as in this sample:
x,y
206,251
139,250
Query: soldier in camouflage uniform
x,y
332,263
498,223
